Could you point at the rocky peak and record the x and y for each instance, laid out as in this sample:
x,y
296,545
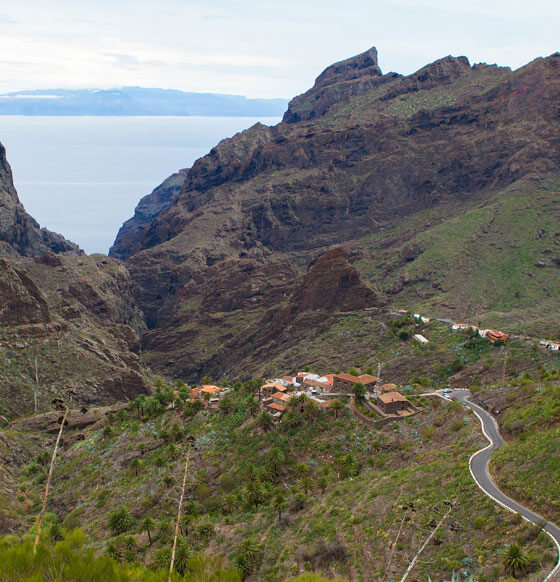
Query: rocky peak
x,y
20,233
336,83
333,284
349,69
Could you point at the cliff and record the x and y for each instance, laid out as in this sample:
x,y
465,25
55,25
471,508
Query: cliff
x,y
68,321
20,234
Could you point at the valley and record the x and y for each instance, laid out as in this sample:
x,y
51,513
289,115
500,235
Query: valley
x,y
283,337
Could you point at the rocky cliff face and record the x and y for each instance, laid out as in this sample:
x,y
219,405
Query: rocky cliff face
x,y
67,320
20,234
356,156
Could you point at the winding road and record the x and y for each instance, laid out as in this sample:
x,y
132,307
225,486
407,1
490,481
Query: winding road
x,y
478,464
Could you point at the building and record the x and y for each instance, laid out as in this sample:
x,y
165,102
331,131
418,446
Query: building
x,y
554,346
275,409
280,398
495,336
420,338
392,402
345,382
388,388
271,388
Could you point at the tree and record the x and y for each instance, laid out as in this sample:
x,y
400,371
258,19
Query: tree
x,y
148,525
120,520
306,484
336,407
515,559
49,476
290,419
255,493
310,409
226,405
359,390
135,466
248,555
280,503
276,459
264,422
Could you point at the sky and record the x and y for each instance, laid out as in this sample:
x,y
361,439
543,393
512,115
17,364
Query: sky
x,y
256,48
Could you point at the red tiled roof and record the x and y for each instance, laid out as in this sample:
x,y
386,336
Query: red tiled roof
x,y
368,379
274,406
392,397
276,385
347,377
280,396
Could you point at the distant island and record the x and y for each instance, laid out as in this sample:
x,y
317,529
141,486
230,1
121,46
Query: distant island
x,y
128,101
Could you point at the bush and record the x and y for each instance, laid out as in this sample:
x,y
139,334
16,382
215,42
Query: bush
x,y
479,522
403,335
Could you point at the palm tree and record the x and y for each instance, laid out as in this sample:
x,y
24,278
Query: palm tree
x,y
276,459
359,390
515,559
306,483
264,422
148,525
336,407
120,520
280,503
135,466
290,419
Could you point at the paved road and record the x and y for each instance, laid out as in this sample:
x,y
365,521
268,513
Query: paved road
x,y
478,465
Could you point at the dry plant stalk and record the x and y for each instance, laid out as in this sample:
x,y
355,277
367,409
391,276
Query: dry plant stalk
x,y
179,514
411,565
47,487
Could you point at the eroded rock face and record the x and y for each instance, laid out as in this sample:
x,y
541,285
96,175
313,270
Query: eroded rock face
x,y
333,284
19,232
359,152
20,298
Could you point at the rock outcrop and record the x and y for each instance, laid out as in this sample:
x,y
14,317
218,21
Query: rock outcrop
x,y
147,210
20,234
21,301
333,284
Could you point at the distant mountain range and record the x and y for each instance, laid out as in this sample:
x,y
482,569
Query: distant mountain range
x,y
128,101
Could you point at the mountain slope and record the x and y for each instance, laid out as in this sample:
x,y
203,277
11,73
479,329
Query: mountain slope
x,y
374,162
67,321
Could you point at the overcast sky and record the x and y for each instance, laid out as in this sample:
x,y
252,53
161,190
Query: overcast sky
x,y
257,48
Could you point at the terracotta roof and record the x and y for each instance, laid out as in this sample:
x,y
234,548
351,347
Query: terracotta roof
x,y
276,385
389,387
347,377
496,335
280,396
209,389
274,406
392,397
368,379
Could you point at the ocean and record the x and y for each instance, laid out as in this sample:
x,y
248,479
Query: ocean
x,y
83,176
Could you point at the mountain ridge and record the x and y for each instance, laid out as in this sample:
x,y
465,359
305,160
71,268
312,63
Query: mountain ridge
x,y
129,101
358,155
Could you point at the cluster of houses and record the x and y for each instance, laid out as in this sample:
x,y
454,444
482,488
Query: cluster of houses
x,y
384,398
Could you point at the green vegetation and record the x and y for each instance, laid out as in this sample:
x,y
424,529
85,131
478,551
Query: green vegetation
x,y
316,491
